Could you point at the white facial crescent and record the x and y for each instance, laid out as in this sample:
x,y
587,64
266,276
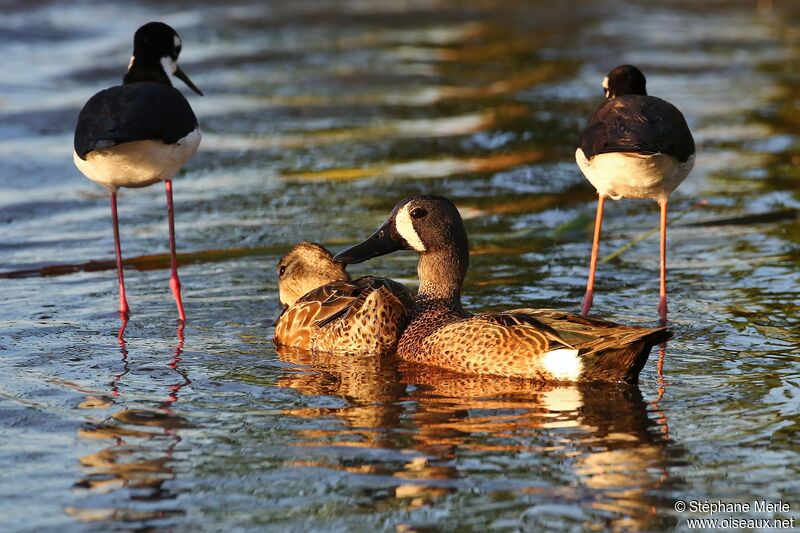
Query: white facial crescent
x,y
405,228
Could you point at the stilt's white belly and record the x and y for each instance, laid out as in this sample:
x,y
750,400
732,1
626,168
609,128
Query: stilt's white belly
x,y
629,175
137,163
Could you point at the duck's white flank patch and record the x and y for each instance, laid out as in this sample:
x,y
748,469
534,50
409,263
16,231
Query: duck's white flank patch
x,y
605,83
130,63
405,228
563,364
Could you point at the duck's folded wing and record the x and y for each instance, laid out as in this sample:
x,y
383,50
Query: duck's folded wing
x,y
529,321
398,292
585,332
326,303
348,297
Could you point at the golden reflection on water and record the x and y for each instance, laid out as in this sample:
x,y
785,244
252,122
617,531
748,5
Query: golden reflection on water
x,y
391,129
433,168
602,434
408,97
139,456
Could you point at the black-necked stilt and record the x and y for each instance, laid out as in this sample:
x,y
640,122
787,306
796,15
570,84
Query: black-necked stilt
x,y
634,146
140,132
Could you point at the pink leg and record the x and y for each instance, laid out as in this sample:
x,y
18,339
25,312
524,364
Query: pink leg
x,y
662,303
598,223
174,282
124,310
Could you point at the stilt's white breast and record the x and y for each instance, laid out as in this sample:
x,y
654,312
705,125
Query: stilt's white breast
x,y
563,363
630,175
137,163
405,227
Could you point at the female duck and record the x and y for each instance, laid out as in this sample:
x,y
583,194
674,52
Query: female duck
x,y
325,311
545,345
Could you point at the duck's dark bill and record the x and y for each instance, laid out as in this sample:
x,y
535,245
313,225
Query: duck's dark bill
x,y
381,243
181,75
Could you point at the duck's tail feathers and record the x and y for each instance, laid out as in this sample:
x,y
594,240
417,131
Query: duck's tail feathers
x,y
622,356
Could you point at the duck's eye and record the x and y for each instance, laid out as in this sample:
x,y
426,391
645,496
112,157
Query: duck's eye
x,y
282,270
419,212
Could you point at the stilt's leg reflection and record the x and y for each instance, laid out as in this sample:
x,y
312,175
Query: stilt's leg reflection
x,y
138,463
174,365
123,350
662,388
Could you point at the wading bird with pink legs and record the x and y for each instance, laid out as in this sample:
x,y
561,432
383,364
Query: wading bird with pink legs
x,y
634,146
140,133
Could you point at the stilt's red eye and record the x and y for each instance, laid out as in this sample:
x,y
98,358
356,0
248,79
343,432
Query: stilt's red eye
x,y
419,212
282,270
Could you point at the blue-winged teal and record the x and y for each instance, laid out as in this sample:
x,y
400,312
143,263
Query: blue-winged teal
x,y
634,146
324,310
544,345
140,133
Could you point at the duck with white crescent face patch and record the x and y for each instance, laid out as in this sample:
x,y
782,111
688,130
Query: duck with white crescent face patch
x,y
544,345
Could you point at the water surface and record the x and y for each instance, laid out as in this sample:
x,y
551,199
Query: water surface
x,y
319,117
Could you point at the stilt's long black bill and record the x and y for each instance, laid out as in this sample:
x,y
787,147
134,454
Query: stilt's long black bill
x,y
382,242
181,75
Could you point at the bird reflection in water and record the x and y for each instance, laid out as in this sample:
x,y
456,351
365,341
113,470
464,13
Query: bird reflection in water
x,y
662,388
126,480
591,445
123,349
375,392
